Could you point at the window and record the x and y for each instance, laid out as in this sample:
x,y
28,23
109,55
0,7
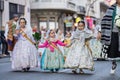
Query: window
x,y
81,9
16,9
71,5
12,9
21,9
1,4
42,22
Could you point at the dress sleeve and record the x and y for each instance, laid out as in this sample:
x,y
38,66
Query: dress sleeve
x,y
61,43
43,45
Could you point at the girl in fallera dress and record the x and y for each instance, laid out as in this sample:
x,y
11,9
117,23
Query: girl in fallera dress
x,y
52,58
67,41
25,54
80,56
95,43
42,40
60,36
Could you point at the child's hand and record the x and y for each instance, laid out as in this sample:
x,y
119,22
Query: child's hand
x,y
40,54
17,31
99,36
64,57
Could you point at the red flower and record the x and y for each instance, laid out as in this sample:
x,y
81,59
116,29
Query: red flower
x,y
34,30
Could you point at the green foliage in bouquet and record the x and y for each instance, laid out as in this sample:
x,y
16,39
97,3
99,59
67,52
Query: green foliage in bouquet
x,y
37,36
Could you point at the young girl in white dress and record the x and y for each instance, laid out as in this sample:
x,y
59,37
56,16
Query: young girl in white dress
x,y
25,54
52,58
95,43
67,41
80,56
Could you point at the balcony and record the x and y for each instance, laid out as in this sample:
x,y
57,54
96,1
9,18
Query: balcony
x,y
51,4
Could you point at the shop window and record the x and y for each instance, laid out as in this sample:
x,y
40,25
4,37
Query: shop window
x,y
43,22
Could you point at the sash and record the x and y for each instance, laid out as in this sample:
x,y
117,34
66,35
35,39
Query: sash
x,y
54,46
25,36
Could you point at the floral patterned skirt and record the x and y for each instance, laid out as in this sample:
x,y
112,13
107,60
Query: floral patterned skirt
x,y
52,60
96,48
79,56
24,55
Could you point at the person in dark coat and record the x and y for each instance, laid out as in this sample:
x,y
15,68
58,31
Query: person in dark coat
x,y
111,33
4,44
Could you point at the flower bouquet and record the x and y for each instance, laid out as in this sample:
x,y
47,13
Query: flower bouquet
x,y
37,35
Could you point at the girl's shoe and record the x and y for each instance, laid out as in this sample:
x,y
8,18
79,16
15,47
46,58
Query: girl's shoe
x,y
56,70
74,71
92,69
28,68
52,70
112,71
81,71
113,68
24,70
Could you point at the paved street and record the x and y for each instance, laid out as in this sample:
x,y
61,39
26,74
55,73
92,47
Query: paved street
x,y
102,69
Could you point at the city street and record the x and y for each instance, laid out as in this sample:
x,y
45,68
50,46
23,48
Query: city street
x,y
102,69
73,30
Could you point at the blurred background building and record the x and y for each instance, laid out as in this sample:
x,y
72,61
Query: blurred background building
x,y
1,10
95,10
10,7
53,13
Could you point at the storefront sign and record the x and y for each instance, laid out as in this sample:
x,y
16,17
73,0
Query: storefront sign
x,y
69,24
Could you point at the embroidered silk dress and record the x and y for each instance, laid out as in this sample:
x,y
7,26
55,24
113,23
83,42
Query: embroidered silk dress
x,y
79,56
66,49
52,57
95,44
25,53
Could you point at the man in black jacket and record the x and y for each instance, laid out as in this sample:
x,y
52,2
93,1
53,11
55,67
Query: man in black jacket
x,y
4,44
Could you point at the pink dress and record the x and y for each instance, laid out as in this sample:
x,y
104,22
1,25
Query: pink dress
x,y
52,57
48,45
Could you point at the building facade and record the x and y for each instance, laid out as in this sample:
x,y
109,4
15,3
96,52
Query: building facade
x,y
1,10
54,14
12,7
97,8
